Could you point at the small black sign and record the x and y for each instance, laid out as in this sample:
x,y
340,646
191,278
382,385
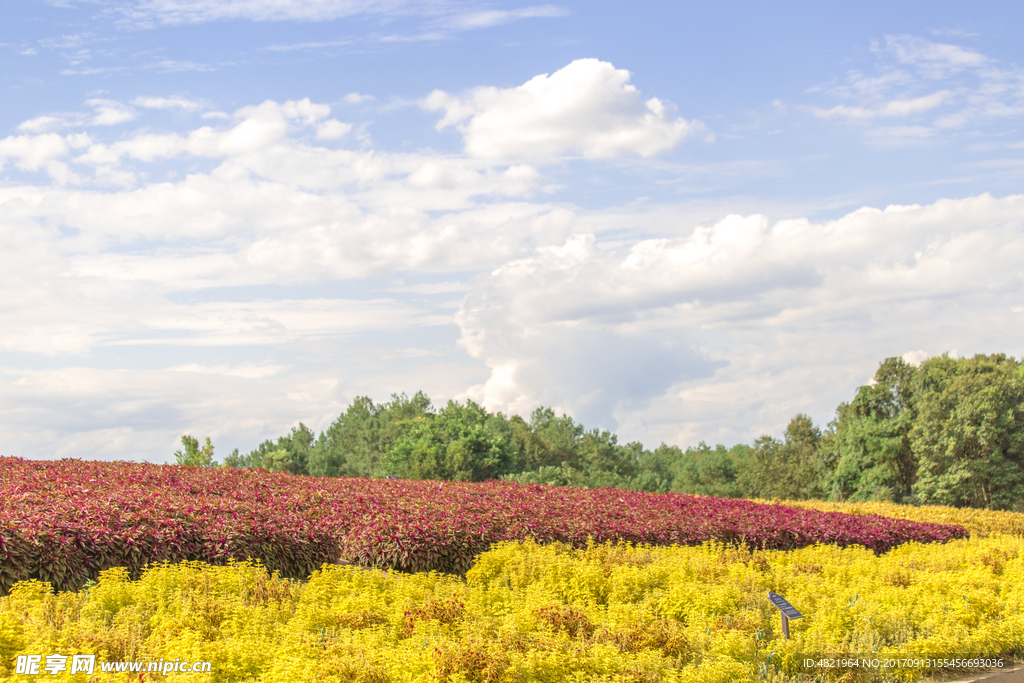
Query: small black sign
x,y
784,606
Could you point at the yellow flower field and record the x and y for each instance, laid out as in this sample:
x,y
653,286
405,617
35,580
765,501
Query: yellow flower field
x,y
527,612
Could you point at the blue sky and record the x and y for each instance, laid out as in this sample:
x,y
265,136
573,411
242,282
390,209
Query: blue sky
x,y
678,222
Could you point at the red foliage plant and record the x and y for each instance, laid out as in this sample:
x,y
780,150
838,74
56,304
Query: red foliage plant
x,y
65,521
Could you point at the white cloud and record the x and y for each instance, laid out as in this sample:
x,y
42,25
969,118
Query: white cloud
x,y
72,300
333,130
916,357
40,124
915,105
250,263
260,127
742,311
975,89
30,153
110,112
903,107
105,113
488,18
167,103
586,108
198,11
277,322
899,136
936,60
176,66
54,313
247,370
272,209
138,414
432,288
356,98
297,110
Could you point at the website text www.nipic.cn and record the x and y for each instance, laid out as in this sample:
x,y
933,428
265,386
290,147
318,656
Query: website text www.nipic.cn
x,y
38,665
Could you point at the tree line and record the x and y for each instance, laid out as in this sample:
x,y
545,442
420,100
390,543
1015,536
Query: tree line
x,y
947,432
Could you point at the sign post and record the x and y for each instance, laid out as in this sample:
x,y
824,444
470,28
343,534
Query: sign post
x,y
787,610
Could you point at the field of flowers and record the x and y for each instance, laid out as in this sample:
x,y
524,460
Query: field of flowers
x,y
64,522
978,522
528,612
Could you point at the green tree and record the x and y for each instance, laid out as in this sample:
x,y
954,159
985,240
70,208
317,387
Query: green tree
x,y
191,454
562,436
969,434
869,455
531,451
459,443
355,442
279,460
599,451
234,460
790,469
707,472
289,453
657,469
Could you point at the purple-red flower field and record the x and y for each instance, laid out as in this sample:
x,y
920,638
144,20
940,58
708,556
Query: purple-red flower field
x,y
65,521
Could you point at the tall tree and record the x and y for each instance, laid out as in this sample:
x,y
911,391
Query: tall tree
x,y
191,454
562,435
788,469
531,451
459,443
969,432
657,469
869,454
289,453
599,451
707,472
355,442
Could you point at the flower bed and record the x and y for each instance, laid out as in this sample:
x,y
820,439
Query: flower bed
x,y
65,521
529,612
977,521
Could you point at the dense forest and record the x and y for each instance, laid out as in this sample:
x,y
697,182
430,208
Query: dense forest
x,y
947,432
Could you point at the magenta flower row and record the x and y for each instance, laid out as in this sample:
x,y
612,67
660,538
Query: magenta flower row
x,y
65,521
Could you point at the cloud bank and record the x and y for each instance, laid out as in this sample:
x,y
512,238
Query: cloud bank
x,y
741,305
244,271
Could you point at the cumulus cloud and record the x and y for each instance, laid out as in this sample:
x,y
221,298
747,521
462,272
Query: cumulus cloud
x,y
272,208
30,153
258,128
755,304
587,108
